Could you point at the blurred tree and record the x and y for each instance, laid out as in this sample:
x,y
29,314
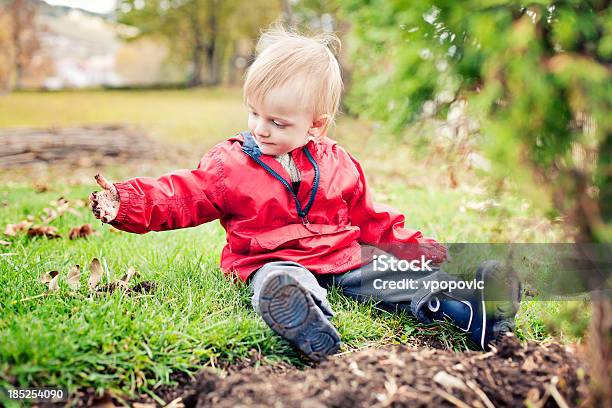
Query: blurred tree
x,y
201,32
319,16
23,41
287,13
536,75
6,55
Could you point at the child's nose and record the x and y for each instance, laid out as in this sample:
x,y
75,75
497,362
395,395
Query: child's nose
x,y
261,129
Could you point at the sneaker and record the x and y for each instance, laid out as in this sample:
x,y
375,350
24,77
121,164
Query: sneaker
x,y
288,308
489,312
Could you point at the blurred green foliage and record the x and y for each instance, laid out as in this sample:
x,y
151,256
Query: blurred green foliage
x,y
535,75
208,34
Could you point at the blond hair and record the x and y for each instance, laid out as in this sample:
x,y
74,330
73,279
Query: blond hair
x,y
286,56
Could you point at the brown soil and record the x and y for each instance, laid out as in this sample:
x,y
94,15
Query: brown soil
x,y
398,376
143,287
515,375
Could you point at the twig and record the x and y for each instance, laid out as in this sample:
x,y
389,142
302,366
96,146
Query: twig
x,y
554,392
483,356
452,399
542,401
480,393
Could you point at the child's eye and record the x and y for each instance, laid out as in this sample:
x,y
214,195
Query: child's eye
x,y
253,113
279,125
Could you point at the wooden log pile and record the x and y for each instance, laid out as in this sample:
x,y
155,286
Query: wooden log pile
x,y
81,146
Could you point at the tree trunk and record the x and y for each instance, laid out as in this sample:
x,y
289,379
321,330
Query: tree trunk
x,y
17,8
18,76
600,357
287,13
587,217
195,79
212,49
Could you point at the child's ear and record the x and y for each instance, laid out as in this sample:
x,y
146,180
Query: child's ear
x,y
319,126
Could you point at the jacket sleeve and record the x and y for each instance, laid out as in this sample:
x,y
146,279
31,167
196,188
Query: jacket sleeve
x,y
382,226
181,199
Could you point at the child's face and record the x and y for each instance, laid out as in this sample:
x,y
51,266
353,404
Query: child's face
x,y
279,124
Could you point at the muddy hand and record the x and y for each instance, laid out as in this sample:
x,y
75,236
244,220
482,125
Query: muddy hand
x,y
104,204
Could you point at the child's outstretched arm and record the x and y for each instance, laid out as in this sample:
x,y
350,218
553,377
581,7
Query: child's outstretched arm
x,y
383,226
183,198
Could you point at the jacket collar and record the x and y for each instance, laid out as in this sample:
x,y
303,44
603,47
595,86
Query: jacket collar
x,y
249,146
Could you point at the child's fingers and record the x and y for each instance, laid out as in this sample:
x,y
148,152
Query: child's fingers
x,y
103,182
93,200
103,214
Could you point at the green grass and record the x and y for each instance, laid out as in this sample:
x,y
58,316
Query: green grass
x,y
131,344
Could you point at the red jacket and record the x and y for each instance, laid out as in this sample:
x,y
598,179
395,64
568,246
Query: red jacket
x,y
261,216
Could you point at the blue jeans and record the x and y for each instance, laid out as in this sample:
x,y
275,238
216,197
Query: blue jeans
x,y
357,284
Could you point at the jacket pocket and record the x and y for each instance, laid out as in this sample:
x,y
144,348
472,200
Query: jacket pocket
x,y
303,237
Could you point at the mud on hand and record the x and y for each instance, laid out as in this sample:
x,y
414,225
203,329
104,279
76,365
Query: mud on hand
x,y
104,204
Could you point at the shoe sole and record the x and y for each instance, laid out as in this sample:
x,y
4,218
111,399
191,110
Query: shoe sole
x,y
288,308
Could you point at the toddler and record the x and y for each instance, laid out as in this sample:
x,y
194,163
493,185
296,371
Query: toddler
x,y
297,210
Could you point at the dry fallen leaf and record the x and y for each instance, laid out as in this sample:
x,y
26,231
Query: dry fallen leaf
x,y
12,229
96,273
50,215
40,187
129,274
51,279
43,231
54,284
74,277
81,232
60,202
46,278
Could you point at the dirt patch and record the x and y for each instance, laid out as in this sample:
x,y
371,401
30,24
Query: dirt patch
x,y
189,389
144,287
79,146
512,375
537,375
